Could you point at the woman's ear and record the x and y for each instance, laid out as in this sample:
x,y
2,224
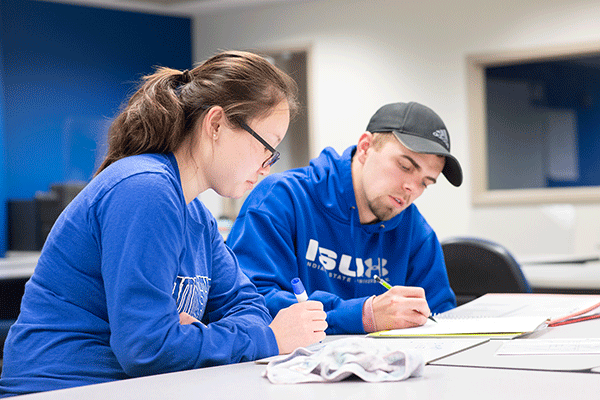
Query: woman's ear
x,y
214,121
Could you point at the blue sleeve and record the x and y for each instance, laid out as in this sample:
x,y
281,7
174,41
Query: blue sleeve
x,y
264,243
428,270
141,235
233,301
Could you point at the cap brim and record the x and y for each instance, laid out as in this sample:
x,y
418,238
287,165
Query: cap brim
x,y
452,170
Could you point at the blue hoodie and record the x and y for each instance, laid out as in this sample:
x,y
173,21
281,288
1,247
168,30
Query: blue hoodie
x,y
121,262
304,223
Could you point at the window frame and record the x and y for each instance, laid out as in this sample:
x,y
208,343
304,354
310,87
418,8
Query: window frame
x,y
477,110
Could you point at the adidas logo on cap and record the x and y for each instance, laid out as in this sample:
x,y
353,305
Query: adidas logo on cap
x,y
442,134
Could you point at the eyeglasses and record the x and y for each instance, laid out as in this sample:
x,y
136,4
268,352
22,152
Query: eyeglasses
x,y
274,153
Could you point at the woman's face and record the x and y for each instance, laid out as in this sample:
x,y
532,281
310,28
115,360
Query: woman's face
x,y
241,155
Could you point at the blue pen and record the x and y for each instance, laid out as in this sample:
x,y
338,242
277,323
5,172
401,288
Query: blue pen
x,y
299,290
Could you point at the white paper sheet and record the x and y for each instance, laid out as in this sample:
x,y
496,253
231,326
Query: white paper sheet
x,y
549,346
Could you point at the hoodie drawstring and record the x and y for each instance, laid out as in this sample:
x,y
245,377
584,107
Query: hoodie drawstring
x,y
380,249
356,242
357,245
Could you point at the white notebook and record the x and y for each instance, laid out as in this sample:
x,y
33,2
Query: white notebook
x,y
497,315
491,326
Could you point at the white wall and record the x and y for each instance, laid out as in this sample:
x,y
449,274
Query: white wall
x,y
366,53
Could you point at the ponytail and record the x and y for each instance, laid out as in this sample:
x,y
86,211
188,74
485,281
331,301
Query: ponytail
x,y
152,122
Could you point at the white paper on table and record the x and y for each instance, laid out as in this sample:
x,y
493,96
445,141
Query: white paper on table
x,y
433,348
549,346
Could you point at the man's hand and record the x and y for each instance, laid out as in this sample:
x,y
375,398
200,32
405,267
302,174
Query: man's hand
x,y
299,325
400,307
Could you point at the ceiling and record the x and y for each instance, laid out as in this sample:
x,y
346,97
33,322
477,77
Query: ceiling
x,y
176,7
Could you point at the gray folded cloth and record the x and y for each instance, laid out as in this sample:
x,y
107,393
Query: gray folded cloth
x,y
369,359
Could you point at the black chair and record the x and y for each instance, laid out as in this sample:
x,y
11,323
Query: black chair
x,y
11,292
477,266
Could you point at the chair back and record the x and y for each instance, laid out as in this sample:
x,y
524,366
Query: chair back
x,y
477,266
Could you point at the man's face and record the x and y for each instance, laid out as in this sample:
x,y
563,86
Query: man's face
x,y
392,177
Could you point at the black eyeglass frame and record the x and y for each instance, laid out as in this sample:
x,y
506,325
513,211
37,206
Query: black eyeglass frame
x,y
274,153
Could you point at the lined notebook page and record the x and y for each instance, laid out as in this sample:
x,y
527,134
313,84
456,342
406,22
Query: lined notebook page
x,y
498,314
470,326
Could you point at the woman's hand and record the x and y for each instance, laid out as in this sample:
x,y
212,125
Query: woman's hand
x,y
299,325
186,319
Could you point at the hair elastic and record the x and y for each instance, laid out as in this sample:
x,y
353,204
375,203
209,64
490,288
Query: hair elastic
x,y
186,77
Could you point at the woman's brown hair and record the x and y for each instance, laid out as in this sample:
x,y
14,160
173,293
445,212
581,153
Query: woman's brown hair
x,y
165,109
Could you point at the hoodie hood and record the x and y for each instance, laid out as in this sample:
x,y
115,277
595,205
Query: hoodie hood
x,y
332,184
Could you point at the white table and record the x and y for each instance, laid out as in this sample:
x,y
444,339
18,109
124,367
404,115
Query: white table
x,y
245,381
567,276
18,264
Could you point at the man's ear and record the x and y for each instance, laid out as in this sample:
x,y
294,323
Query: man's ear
x,y
364,143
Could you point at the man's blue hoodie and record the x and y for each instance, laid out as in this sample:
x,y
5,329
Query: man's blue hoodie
x,y
304,223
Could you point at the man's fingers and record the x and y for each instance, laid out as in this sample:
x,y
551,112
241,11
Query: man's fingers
x,y
408,291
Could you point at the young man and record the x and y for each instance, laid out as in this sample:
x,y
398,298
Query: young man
x,y
345,219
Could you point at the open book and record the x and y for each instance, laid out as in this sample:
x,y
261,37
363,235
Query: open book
x,y
498,315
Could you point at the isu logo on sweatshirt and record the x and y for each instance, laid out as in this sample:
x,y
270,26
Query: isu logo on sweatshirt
x,y
190,294
322,258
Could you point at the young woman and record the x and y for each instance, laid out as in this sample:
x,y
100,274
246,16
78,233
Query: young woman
x,y
134,278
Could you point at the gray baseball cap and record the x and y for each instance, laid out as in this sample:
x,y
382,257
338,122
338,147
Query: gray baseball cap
x,y
419,129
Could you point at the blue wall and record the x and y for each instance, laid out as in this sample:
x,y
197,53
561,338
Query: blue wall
x,y
67,70
66,66
3,238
